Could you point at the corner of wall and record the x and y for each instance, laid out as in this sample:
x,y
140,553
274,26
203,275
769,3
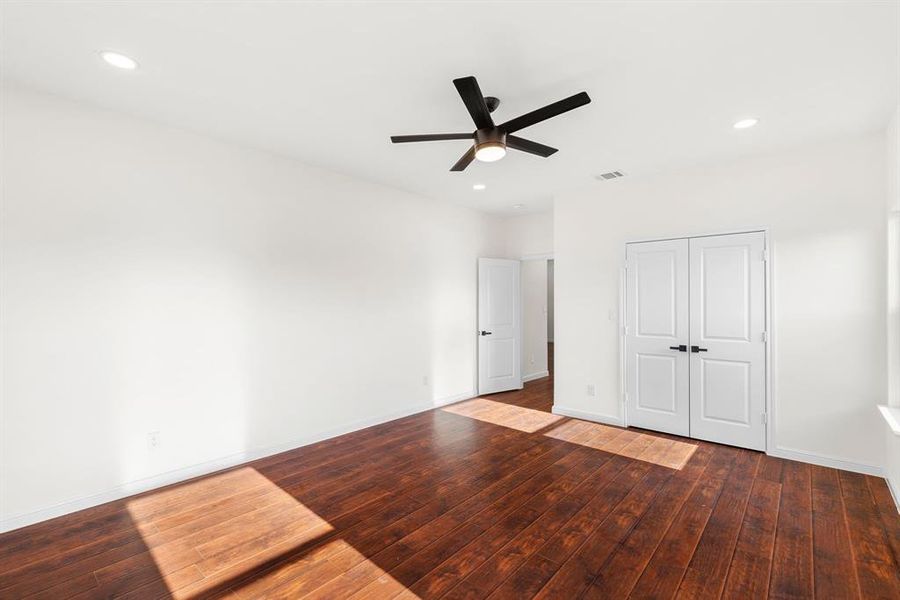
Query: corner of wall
x,y
892,207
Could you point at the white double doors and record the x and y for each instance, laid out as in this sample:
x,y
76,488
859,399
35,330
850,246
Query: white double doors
x,y
695,348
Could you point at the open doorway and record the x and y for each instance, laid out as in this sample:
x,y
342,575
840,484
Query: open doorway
x,y
515,323
537,323
515,331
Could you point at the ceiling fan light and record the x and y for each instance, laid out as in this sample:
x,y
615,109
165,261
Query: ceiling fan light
x,y
490,151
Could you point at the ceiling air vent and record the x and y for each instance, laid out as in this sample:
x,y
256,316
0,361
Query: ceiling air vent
x,y
608,176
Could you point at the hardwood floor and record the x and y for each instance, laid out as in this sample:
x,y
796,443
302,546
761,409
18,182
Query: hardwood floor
x,y
492,497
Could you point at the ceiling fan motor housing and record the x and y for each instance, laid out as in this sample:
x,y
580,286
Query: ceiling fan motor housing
x,y
490,136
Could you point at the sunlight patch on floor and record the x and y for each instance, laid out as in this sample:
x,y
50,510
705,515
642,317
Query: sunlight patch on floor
x,y
506,415
658,450
321,573
200,533
661,451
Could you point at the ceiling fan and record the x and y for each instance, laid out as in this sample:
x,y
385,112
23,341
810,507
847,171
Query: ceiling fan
x,y
491,141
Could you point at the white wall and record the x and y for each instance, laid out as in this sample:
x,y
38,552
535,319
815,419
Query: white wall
x,y
824,205
528,235
234,301
892,459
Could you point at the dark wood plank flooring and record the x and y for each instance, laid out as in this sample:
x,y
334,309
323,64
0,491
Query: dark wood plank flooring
x,y
493,497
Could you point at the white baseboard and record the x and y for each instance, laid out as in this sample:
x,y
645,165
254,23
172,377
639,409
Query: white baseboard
x,y
454,399
825,461
143,485
587,416
894,488
536,375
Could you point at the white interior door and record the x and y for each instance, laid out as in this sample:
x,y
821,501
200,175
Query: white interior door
x,y
657,361
499,325
728,350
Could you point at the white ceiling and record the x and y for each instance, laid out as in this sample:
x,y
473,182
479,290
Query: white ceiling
x,y
328,83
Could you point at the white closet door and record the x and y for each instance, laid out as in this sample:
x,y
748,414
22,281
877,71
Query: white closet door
x,y
728,351
657,361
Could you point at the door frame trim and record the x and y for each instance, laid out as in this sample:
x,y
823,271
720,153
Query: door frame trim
x,y
768,270
545,256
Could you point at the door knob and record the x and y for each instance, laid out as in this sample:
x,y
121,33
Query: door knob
x,y
681,348
486,332
697,349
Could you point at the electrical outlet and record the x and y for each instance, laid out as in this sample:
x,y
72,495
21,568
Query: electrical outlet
x,y
425,380
153,440
612,314
532,359
590,389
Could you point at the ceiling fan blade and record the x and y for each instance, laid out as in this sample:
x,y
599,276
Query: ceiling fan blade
x,y
547,112
474,100
463,162
528,146
430,137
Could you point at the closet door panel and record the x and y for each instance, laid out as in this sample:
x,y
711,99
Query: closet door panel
x,y
728,351
657,371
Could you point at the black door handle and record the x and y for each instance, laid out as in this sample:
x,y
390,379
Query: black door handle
x,y
486,332
697,349
681,348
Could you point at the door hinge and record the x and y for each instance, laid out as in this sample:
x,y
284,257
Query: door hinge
x,y
624,329
765,255
765,336
765,418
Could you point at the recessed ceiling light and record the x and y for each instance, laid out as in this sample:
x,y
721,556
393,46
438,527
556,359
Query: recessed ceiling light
x,y
746,123
479,186
119,60
518,206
